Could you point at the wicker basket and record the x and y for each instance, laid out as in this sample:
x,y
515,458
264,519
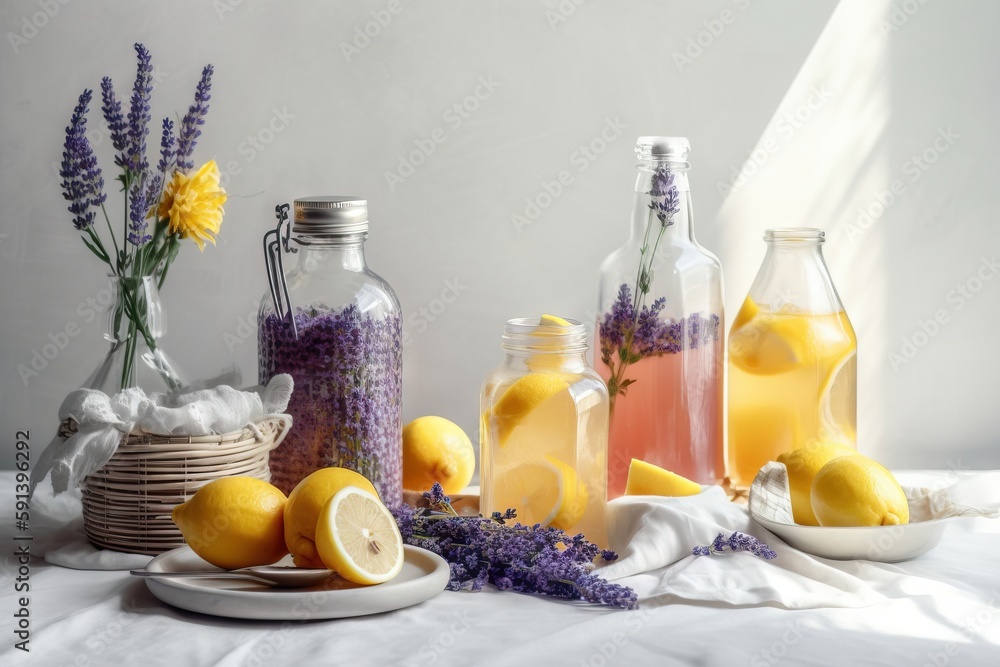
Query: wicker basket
x,y
127,503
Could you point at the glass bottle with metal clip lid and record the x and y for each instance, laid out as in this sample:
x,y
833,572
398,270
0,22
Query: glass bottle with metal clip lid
x,y
334,326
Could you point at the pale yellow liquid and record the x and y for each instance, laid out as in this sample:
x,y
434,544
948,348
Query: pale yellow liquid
x,y
562,443
792,382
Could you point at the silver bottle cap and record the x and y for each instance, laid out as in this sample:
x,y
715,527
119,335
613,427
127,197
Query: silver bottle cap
x,y
330,216
669,148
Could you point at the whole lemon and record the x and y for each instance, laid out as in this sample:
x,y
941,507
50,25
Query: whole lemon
x,y
437,450
305,503
857,491
802,465
234,522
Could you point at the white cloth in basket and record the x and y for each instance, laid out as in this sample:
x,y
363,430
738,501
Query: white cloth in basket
x,y
102,420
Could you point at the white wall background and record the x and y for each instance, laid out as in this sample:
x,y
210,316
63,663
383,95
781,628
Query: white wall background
x,y
884,81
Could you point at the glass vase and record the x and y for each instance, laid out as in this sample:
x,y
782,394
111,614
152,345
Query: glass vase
x,y
136,325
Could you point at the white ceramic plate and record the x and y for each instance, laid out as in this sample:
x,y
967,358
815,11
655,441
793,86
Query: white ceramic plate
x,y
885,544
423,576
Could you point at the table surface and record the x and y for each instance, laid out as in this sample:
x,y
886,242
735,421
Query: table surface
x,y
942,608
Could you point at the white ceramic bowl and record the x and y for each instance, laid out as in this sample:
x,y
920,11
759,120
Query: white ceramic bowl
x,y
885,544
770,506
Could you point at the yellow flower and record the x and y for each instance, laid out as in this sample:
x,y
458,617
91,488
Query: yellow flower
x,y
193,204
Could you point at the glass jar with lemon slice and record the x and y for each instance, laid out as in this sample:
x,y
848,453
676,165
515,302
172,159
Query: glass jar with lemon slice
x,y
544,430
792,359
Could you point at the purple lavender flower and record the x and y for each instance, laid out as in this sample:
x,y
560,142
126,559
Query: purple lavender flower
x,y
541,561
135,158
346,402
83,182
137,210
737,541
627,337
168,154
662,186
194,118
138,115
112,109
168,148
632,329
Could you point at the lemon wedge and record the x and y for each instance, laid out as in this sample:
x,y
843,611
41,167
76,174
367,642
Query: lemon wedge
x,y
553,321
770,344
646,479
548,361
523,397
548,493
357,537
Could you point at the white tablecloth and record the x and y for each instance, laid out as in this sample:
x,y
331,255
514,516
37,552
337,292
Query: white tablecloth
x,y
948,615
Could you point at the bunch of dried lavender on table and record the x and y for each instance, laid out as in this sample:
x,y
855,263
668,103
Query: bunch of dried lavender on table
x,y
524,559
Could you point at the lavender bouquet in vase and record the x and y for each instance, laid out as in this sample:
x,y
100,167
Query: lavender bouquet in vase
x,y
163,205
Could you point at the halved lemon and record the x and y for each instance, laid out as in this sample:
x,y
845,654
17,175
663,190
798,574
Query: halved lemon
x,y
521,398
357,537
549,493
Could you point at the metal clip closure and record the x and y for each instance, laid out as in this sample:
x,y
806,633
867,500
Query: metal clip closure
x,y
273,243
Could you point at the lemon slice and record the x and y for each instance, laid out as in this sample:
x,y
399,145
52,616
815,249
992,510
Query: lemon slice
x,y
521,398
837,383
357,537
646,479
548,493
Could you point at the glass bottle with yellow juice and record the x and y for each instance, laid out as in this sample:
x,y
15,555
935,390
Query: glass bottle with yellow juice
x,y
792,359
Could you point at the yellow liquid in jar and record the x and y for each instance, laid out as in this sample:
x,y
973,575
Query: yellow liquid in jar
x,y
551,467
792,382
